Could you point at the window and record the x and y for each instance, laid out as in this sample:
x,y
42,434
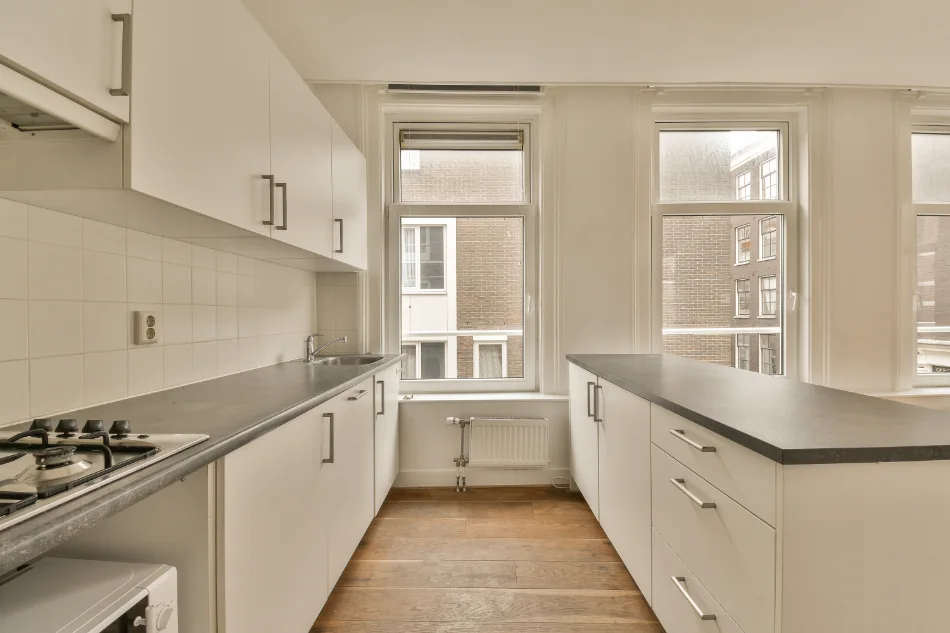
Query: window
x,y
410,369
706,274
423,258
768,238
744,186
930,155
770,179
767,297
463,226
742,297
743,244
768,354
743,352
490,358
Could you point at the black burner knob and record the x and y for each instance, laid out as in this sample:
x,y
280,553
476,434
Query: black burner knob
x,y
91,426
42,423
120,428
67,425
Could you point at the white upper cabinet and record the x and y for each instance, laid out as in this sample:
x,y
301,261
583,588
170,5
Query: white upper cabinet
x,y
300,131
349,200
200,134
75,47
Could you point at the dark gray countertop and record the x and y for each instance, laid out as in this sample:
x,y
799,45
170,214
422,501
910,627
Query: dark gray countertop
x,y
233,411
788,421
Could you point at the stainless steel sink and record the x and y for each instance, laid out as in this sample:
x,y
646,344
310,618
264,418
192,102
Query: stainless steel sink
x,y
346,360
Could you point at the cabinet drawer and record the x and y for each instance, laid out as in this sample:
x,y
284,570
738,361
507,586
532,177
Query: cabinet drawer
x,y
744,475
671,577
729,549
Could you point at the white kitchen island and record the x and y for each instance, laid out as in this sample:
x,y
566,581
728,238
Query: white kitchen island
x,y
747,503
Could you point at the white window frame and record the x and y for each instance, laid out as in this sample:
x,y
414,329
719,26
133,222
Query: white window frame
x,y
774,233
744,184
925,120
762,290
446,119
688,112
748,260
762,347
748,294
747,347
416,228
490,340
766,177
417,343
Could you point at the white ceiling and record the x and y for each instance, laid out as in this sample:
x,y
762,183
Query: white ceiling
x,y
812,42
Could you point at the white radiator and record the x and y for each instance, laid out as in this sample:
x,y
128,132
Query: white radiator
x,y
508,443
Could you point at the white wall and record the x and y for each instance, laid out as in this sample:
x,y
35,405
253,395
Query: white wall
x,y
810,42
69,286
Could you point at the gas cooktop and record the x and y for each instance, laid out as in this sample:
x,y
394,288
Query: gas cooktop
x,y
46,466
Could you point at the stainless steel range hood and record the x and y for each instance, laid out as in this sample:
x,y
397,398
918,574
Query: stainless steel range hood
x,y
28,106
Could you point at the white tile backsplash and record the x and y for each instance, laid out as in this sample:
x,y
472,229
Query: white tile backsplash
x,y
55,272
14,335
68,291
103,276
13,270
55,328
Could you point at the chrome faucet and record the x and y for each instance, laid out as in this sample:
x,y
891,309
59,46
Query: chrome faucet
x,y
311,352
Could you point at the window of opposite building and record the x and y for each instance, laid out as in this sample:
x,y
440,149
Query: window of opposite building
x,y
744,244
768,301
930,167
462,255
707,271
744,186
768,354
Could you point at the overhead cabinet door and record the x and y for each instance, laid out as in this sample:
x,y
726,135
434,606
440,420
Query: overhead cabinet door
x,y
300,132
349,200
75,47
200,134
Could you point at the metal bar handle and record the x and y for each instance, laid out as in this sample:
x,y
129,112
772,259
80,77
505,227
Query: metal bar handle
x,y
340,220
382,397
270,177
597,413
126,89
681,485
589,385
681,435
283,186
332,442
359,394
680,583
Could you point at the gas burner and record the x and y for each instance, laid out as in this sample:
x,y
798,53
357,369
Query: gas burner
x,y
54,456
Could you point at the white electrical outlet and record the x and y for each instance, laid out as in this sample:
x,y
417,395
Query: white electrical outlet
x,y
146,328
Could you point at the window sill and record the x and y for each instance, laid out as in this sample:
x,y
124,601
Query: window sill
x,y
501,396
424,292
742,263
767,259
768,316
742,316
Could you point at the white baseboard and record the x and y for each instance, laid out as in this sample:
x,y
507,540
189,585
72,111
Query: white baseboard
x,y
479,477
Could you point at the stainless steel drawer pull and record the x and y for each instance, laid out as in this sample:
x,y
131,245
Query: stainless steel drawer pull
x,y
681,435
681,485
332,442
598,415
340,250
680,583
589,386
283,186
125,89
382,397
359,394
270,178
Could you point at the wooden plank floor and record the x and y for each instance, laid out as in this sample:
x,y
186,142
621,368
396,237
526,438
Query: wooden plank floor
x,y
491,560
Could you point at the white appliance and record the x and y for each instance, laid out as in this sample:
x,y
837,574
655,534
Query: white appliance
x,y
63,595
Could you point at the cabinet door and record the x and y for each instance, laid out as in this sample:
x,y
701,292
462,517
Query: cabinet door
x,y
272,547
624,468
584,456
347,491
75,47
300,159
349,201
200,133
387,432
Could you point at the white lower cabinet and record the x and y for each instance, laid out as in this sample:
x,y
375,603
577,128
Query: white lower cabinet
x,y
272,539
680,601
624,476
584,452
386,430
